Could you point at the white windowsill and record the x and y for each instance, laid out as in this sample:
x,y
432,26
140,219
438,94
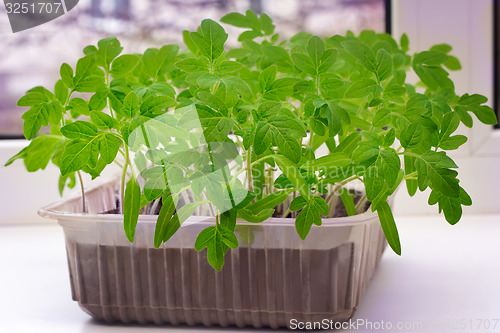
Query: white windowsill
x,y
446,273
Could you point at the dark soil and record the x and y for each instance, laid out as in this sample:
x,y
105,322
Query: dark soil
x,y
339,209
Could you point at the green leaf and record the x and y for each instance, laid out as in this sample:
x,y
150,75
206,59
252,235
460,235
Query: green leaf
x,y
293,174
330,161
298,203
168,222
154,105
131,207
444,180
453,142
236,19
330,82
204,237
288,145
485,114
210,40
270,201
38,153
255,216
34,119
348,202
214,102
449,125
75,156
361,88
430,58
66,180
66,73
228,236
124,64
434,77
412,135
88,78
186,37
411,184
453,64
266,78
389,138
452,209
226,67
305,220
473,103
32,99
108,147
363,53
404,42
321,206
102,120
99,100
158,62
389,227
434,165
443,48
216,126
266,24
349,144
78,106
317,126
108,49
191,65
374,182
263,137
384,65
315,48
304,63
389,164
79,130
280,57
212,239
61,91
130,105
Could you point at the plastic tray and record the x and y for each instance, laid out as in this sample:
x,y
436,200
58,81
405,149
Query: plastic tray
x,y
272,278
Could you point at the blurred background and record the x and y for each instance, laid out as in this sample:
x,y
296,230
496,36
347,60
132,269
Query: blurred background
x,y
33,57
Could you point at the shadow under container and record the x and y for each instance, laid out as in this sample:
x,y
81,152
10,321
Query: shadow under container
x,y
272,278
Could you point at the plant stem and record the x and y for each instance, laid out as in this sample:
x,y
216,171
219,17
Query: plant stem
x,y
82,189
124,174
249,169
252,164
411,175
361,204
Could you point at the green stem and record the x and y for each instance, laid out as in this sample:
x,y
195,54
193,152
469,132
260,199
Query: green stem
x,y
252,164
411,175
361,204
124,174
249,169
82,189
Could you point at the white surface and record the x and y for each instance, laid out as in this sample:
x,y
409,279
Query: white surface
x,y
446,274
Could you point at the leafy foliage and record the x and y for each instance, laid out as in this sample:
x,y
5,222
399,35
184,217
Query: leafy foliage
x,y
199,120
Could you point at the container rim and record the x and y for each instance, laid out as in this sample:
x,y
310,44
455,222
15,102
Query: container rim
x,y
54,211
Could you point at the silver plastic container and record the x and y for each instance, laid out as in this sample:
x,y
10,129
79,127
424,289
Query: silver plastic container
x,y
272,278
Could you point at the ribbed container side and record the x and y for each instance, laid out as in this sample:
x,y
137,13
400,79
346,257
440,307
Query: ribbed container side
x,y
272,278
